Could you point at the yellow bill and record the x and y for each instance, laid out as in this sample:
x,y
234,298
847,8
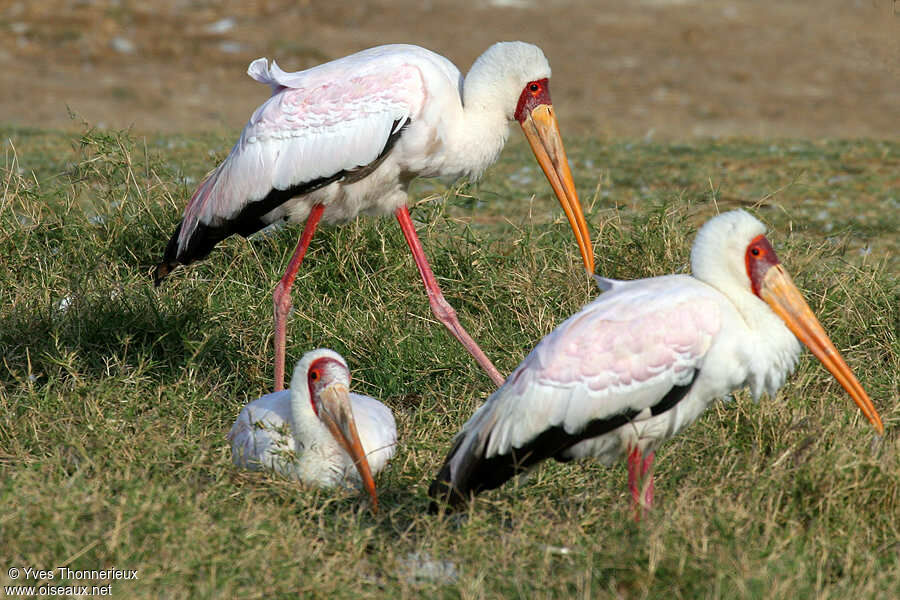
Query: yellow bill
x,y
542,132
779,292
335,411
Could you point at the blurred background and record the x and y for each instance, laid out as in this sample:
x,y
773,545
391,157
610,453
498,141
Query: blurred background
x,y
650,68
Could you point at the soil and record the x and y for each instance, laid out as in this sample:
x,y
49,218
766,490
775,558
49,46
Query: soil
x,y
665,68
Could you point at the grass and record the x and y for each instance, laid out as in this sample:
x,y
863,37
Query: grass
x,y
115,397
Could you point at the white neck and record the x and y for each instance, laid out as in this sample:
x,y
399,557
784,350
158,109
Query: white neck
x,y
768,349
474,125
306,426
772,350
475,137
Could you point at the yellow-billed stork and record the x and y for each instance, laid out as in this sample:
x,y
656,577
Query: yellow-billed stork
x,y
317,431
348,136
643,361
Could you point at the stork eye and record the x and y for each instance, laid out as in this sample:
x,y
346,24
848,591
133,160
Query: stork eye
x,y
755,251
534,87
314,375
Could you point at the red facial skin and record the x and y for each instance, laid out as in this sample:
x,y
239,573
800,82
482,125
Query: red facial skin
x,y
534,94
788,304
759,258
314,377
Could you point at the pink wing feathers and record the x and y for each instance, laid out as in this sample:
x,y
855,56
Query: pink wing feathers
x,y
329,124
618,356
332,123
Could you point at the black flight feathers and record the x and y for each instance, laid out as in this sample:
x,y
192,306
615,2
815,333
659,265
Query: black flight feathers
x,y
475,473
250,218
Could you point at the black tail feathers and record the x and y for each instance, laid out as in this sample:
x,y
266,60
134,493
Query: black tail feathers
x,y
472,473
443,490
169,259
444,493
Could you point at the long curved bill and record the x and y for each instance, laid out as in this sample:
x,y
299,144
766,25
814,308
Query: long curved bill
x,y
779,292
542,132
336,413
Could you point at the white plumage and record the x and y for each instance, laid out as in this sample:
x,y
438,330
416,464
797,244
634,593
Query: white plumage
x,y
347,137
331,118
643,361
282,431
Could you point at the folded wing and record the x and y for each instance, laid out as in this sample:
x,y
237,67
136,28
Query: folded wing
x,y
632,353
318,127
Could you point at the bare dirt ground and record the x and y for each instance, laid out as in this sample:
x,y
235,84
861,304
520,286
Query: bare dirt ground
x,y
668,68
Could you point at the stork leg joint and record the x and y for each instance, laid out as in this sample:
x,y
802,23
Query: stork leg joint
x,y
281,299
442,309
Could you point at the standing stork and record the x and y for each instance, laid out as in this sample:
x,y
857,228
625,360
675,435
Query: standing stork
x,y
643,361
317,432
348,136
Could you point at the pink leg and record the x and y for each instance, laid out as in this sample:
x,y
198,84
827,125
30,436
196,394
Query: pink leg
x,y
634,477
282,295
439,306
640,481
647,475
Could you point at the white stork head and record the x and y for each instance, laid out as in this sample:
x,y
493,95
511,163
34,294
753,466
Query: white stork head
x,y
732,254
514,77
324,373
498,77
717,256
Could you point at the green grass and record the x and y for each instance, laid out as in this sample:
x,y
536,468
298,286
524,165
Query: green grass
x,y
114,408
